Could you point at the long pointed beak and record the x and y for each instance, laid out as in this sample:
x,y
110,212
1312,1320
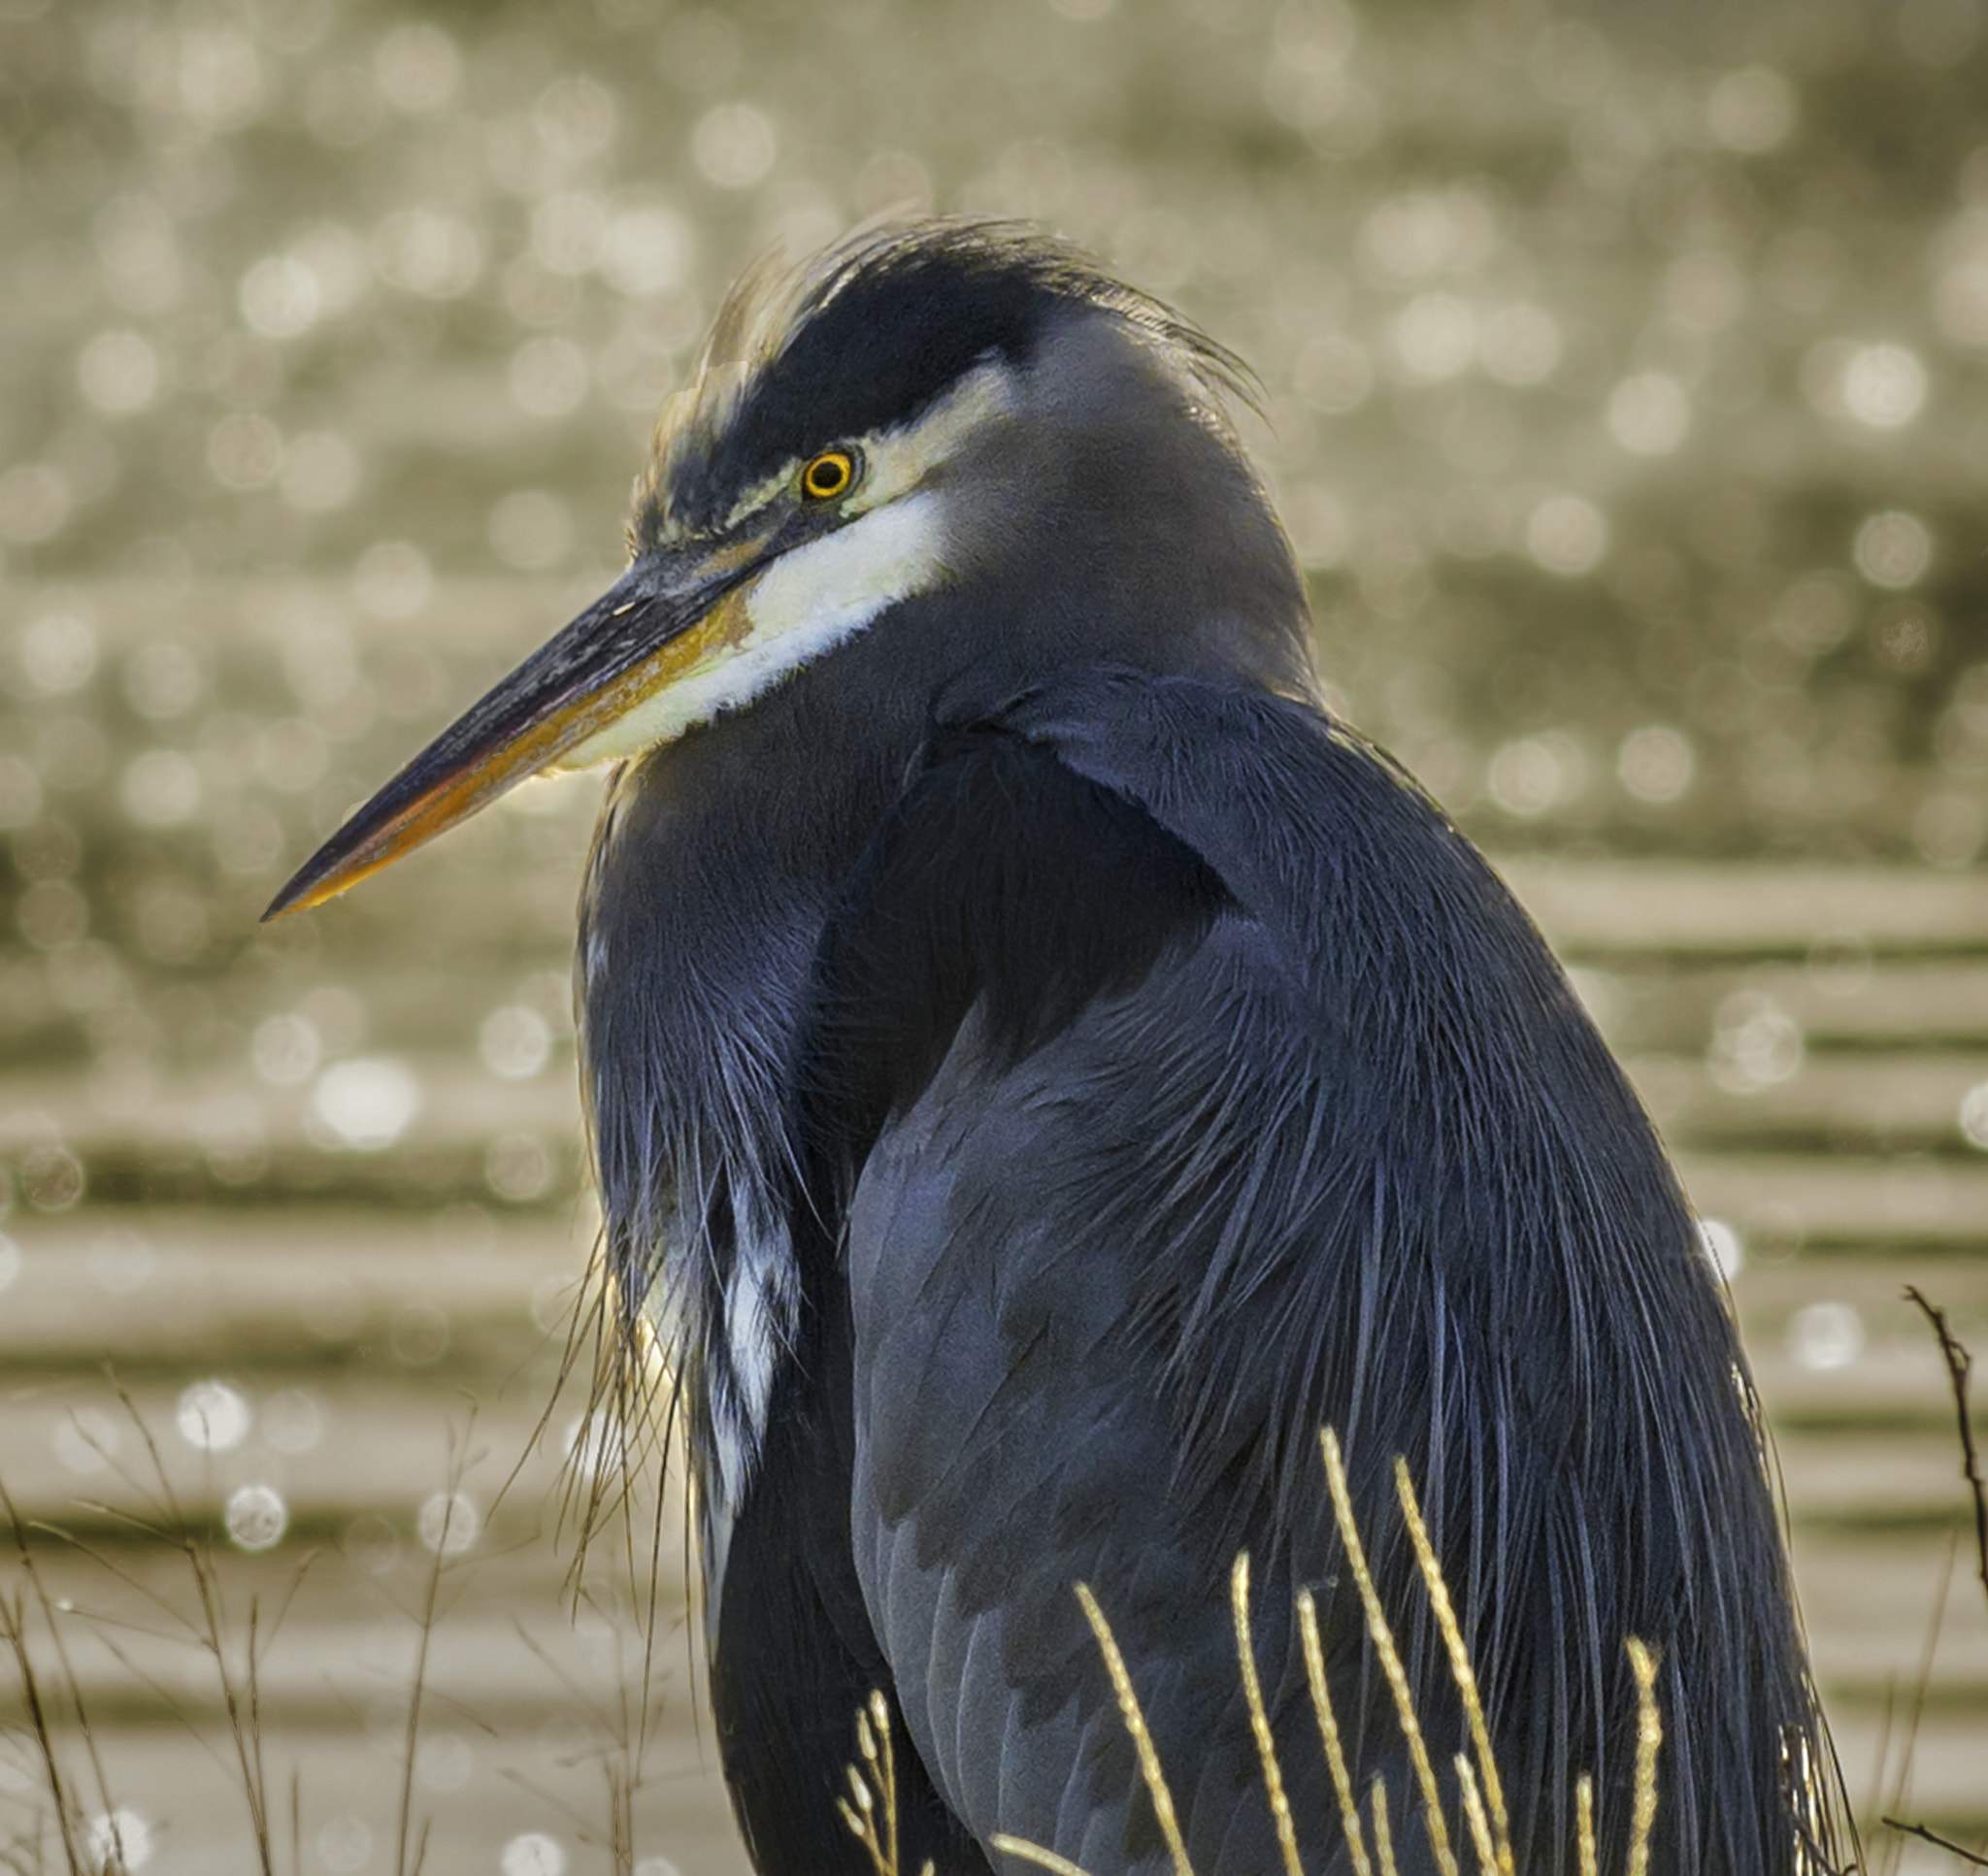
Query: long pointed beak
x,y
658,621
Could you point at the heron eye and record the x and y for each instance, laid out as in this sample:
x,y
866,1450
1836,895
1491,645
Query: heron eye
x,y
828,476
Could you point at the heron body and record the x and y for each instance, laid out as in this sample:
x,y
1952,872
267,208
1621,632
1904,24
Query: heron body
x,y
1042,1068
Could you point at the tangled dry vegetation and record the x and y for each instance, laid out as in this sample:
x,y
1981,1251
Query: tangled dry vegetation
x,y
78,1828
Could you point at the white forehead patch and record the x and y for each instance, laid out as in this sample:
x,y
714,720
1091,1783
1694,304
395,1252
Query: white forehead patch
x,y
805,603
896,461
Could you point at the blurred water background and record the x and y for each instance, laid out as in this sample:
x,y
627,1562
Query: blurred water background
x,y
1625,384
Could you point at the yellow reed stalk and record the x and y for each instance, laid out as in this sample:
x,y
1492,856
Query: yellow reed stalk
x,y
1135,1725
1329,1731
1259,1718
1460,1667
1383,1837
1649,1738
1584,1813
1390,1656
873,1740
1475,1815
1034,1852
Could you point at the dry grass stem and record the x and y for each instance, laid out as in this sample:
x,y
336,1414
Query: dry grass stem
x,y
171,1526
1475,1815
1390,1656
1329,1733
431,1593
1649,1738
1585,1820
1460,1666
1384,1833
1933,1837
1960,1368
1960,1365
873,1824
68,1815
1135,1723
1034,1852
13,1628
1259,1718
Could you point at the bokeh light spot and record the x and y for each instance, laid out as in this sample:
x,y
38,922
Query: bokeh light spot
x,y
212,1417
517,1168
1723,1247
575,119
59,653
286,1051
428,253
1825,1336
280,297
448,1524
1534,775
119,373
366,1104
244,450
1893,549
1756,1044
393,579
1884,387
515,1041
418,1335
645,251
160,788
1567,535
1972,1117
734,145
1656,763
345,1845
1435,336
1649,413
533,1854
444,1762
256,1517
417,67
119,1840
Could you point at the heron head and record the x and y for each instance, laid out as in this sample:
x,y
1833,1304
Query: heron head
x,y
953,410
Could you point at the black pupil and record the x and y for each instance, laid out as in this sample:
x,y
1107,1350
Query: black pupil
x,y
826,474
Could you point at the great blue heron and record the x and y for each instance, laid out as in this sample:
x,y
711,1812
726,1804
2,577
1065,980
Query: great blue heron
x,y
1042,1067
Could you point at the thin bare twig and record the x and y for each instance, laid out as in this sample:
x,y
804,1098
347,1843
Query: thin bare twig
x,y
1925,1835
211,1630
31,1571
1959,1365
13,1630
458,1467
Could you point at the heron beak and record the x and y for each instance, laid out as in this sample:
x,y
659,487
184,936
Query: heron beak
x,y
662,619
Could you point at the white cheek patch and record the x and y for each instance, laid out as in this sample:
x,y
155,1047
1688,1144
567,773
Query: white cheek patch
x,y
808,602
